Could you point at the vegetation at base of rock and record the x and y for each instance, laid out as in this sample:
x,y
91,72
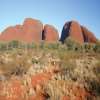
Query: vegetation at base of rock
x,y
69,45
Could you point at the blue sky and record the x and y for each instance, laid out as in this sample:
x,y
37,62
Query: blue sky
x,y
55,12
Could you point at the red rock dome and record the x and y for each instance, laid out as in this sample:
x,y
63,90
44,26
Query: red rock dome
x,y
50,34
88,36
77,32
30,31
12,33
33,30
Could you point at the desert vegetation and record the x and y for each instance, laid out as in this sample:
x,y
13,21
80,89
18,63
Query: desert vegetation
x,y
54,71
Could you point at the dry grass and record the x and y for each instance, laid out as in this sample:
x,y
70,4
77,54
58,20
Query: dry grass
x,y
75,67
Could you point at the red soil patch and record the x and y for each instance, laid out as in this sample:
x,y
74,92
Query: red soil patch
x,y
40,78
78,93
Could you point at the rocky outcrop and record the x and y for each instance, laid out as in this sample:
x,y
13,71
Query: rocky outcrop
x,y
12,33
77,32
33,30
50,34
73,30
30,31
88,36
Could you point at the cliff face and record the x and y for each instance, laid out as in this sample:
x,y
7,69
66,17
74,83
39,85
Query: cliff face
x,y
79,33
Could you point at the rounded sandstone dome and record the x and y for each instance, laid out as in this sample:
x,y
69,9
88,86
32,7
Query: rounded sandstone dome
x,y
50,33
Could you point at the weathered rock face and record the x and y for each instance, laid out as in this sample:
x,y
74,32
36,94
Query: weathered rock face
x,y
76,29
73,30
30,31
12,33
79,33
50,34
88,36
33,30
7,34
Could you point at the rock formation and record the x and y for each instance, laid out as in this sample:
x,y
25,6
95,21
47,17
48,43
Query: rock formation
x,y
88,36
12,33
79,33
50,34
33,30
30,31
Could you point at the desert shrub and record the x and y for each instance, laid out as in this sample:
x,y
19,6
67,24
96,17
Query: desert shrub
x,y
69,64
93,86
62,48
67,70
21,45
13,70
96,69
67,55
34,61
88,47
15,66
72,44
32,45
51,45
53,89
97,47
3,46
14,44
42,45
54,46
